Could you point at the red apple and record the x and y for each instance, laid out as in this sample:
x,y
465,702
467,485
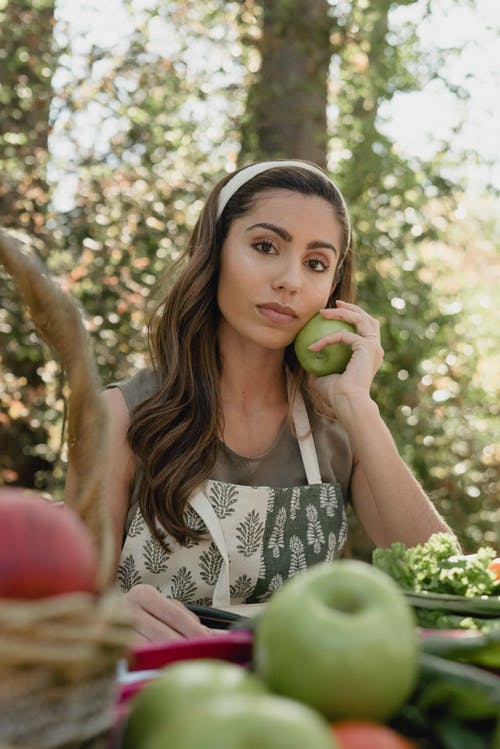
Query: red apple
x,y
45,548
361,734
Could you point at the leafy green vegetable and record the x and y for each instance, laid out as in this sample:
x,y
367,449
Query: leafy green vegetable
x,y
437,566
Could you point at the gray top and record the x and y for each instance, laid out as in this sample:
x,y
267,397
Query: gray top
x,y
281,465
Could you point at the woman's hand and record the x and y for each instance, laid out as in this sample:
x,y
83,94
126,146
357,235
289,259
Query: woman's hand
x,y
156,617
367,353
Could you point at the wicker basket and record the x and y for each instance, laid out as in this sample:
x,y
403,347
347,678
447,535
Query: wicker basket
x,y
59,655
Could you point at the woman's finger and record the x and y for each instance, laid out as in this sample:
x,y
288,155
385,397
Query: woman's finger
x,y
365,324
153,630
184,621
344,336
159,618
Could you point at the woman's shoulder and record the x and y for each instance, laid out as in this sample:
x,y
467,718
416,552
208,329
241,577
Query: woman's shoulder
x,y
137,388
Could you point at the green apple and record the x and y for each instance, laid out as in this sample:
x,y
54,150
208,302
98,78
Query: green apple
x,y
180,686
332,359
341,638
246,722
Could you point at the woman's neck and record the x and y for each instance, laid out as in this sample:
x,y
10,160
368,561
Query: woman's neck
x,y
254,406
252,385
253,395
252,377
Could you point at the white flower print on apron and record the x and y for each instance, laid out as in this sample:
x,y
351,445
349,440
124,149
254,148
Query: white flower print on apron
x,y
256,537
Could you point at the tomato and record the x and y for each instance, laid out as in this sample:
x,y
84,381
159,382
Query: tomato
x,y
365,734
495,566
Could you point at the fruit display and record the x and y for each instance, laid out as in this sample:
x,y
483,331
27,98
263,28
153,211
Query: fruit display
x,y
332,359
337,662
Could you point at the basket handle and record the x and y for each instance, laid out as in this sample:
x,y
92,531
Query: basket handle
x,y
59,323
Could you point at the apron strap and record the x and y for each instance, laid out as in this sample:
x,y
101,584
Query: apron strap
x,y
199,502
305,440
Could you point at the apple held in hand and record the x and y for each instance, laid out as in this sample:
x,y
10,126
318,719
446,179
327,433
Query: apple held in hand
x,y
332,359
243,721
45,548
341,638
180,687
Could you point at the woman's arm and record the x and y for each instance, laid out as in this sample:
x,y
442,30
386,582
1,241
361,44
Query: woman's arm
x,y
155,617
389,501
121,465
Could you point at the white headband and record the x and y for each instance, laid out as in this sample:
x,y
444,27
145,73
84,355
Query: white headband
x,y
249,172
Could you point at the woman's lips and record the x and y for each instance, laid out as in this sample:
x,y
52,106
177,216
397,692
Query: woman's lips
x,y
277,312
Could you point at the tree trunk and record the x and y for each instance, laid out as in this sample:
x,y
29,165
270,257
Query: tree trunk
x,y
286,107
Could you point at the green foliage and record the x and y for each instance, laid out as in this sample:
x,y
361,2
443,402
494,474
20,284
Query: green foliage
x,y
30,397
146,126
27,62
404,213
136,202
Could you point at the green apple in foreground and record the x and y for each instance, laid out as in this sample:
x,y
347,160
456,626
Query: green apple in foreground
x,y
179,687
244,722
341,638
332,359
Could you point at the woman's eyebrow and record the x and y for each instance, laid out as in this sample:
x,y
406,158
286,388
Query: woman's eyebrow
x,y
317,244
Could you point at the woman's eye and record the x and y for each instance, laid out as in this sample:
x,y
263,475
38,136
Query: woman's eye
x,y
265,246
317,265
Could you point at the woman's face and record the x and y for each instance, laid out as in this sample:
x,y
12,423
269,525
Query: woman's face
x,y
278,263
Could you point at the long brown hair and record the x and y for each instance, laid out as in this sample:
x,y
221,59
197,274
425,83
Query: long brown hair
x,y
174,434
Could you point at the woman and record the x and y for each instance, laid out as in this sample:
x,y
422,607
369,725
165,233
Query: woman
x,y
231,468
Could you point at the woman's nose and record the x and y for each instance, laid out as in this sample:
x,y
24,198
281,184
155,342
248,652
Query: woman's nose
x,y
287,277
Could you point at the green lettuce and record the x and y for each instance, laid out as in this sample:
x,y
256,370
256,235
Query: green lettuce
x,y
437,566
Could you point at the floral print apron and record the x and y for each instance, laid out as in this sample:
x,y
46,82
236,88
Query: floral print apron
x,y
256,537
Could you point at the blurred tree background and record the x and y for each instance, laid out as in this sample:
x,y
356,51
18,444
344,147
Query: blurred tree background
x,y
111,135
